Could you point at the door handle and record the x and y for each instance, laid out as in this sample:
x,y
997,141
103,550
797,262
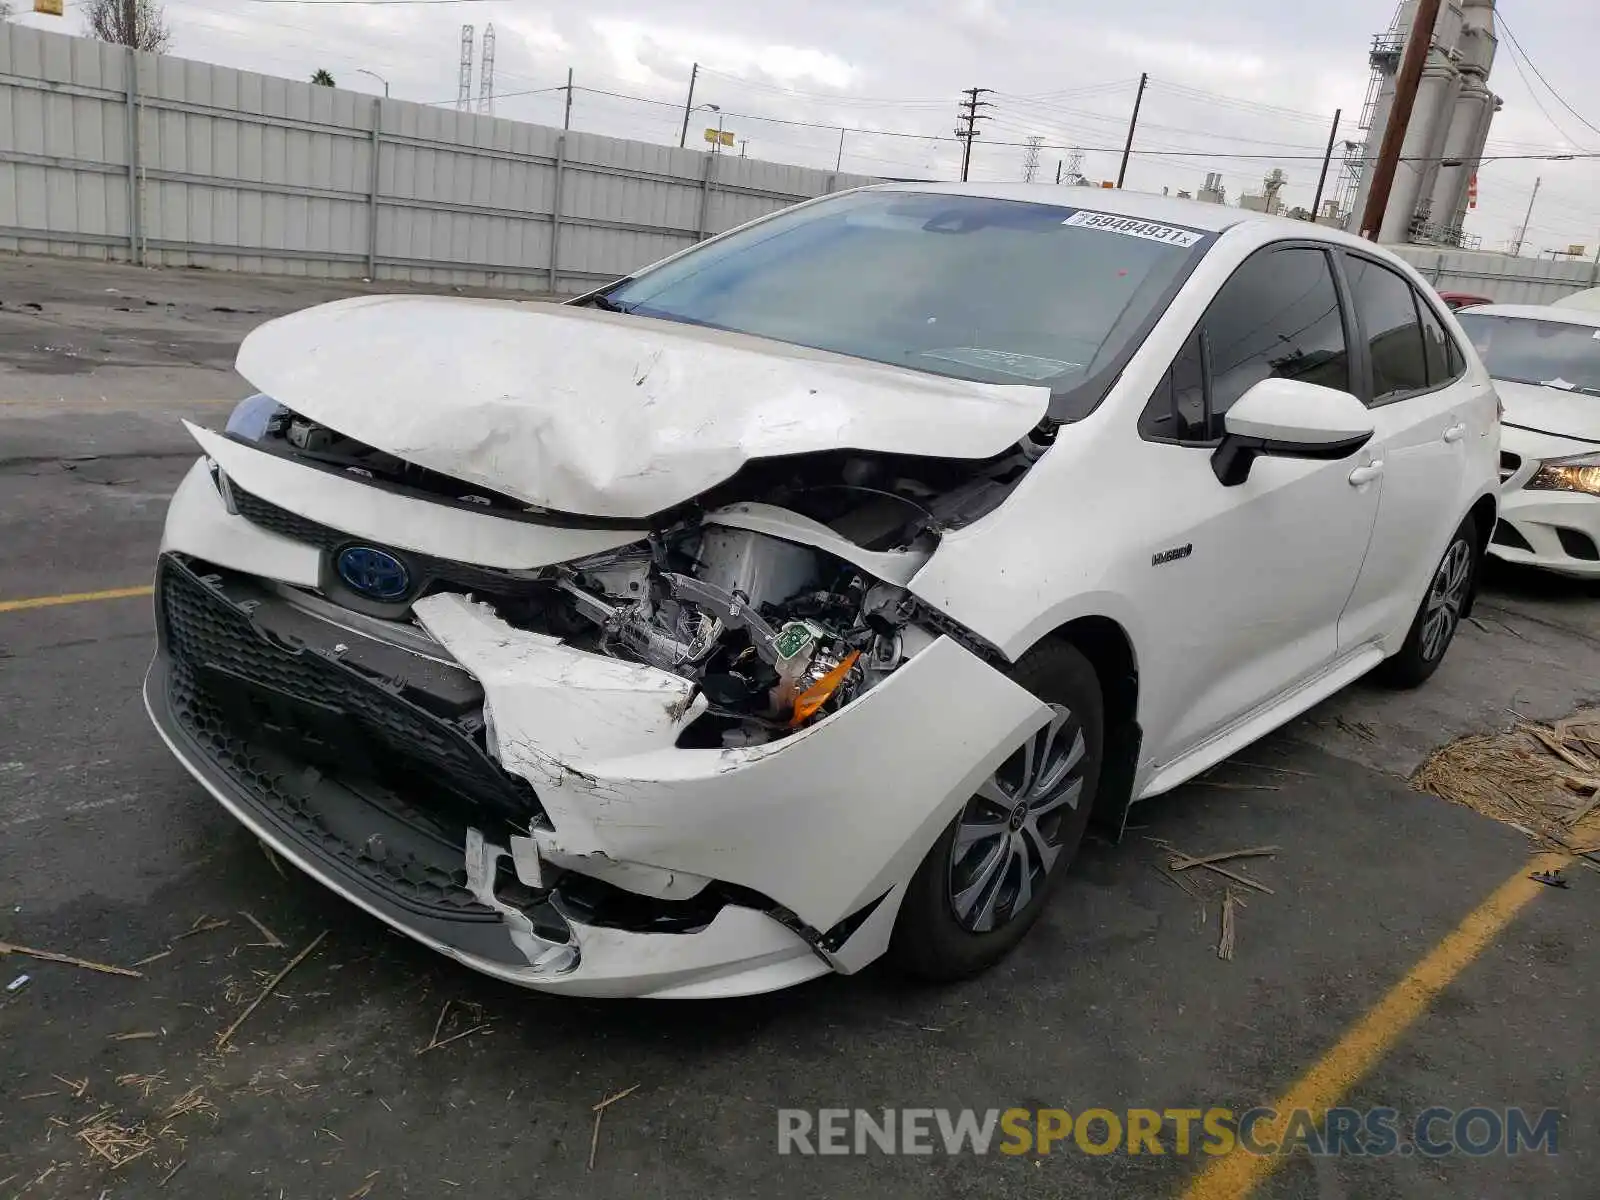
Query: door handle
x,y
1456,432
1367,473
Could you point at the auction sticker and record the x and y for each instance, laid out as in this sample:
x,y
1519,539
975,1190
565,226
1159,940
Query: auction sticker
x,y
1133,227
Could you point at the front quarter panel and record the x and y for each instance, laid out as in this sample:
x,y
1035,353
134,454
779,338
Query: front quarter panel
x,y
1053,550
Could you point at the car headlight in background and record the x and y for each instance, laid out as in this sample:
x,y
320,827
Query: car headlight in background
x,y
1580,473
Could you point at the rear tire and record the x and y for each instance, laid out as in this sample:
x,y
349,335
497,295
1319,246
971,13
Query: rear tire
x,y
993,869
1439,615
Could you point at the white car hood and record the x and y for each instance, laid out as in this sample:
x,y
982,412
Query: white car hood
x,y
596,413
1550,410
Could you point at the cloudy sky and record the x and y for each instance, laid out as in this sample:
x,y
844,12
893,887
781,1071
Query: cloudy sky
x,y
1237,86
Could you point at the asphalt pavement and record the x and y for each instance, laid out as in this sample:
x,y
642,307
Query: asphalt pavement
x,y
345,1082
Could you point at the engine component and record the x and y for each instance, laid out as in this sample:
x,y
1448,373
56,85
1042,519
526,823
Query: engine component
x,y
763,570
733,609
772,632
819,693
633,627
886,608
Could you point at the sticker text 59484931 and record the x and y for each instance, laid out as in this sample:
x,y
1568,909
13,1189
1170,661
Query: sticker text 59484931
x,y
1133,227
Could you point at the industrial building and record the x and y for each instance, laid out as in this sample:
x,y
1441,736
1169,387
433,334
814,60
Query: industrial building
x,y
1448,128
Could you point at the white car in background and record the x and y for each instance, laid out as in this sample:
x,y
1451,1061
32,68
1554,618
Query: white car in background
x,y
798,599
1546,366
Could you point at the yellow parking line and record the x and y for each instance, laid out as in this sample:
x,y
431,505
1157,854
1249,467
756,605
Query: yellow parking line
x,y
1236,1175
73,598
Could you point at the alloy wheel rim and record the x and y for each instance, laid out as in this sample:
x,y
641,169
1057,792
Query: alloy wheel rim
x,y
1008,836
1446,594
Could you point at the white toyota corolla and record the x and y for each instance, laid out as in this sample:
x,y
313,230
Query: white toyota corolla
x,y
1546,367
800,598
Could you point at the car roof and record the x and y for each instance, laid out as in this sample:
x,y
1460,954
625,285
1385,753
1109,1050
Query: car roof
x,y
1148,206
1537,312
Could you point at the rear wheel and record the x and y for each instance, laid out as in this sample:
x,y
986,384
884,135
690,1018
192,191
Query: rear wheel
x,y
1439,615
991,872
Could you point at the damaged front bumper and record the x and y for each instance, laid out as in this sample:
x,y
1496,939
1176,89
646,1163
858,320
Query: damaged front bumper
x,y
526,806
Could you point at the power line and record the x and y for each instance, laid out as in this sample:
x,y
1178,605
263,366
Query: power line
x,y
834,97
1062,145
1501,21
1035,122
1516,61
1239,102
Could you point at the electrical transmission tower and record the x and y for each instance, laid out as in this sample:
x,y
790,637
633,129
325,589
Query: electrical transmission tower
x,y
464,88
486,75
1075,167
967,118
1030,159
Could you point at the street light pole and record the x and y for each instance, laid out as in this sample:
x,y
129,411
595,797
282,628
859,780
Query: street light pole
x,y
379,78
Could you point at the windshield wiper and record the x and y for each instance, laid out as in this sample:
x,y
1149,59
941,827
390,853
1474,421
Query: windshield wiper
x,y
601,301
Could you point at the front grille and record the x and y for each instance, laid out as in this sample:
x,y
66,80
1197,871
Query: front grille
x,y
1509,464
327,709
287,789
425,568
281,521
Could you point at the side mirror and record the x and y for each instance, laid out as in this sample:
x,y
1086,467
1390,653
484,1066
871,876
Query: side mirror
x,y
1289,419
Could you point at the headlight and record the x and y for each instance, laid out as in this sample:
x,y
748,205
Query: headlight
x,y
252,416
1580,473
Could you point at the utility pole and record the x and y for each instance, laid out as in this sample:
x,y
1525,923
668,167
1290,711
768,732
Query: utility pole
x,y
1418,44
1326,159
688,106
967,118
1516,246
566,117
1058,172
1127,147
839,157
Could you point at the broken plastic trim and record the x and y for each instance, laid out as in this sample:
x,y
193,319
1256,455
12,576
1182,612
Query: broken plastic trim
x,y
482,863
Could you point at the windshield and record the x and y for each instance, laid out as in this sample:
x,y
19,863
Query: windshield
x,y
997,291
1522,350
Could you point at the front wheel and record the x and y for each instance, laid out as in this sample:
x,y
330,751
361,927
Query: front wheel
x,y
1439,615
991,872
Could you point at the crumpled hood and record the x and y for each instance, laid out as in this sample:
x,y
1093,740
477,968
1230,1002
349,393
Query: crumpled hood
x,y
1550,410
597,413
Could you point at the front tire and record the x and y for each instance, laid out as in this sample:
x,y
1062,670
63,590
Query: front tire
x,y
990,874
1439,615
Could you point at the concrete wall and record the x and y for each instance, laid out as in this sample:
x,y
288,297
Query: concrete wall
x,y
147,158
1500,277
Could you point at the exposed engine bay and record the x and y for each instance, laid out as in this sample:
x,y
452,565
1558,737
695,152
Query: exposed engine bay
x,y
772,633
775,626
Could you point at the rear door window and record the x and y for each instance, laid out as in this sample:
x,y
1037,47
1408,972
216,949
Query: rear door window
x,y
1387,307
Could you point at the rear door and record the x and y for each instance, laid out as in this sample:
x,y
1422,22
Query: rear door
x,y
1413,377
